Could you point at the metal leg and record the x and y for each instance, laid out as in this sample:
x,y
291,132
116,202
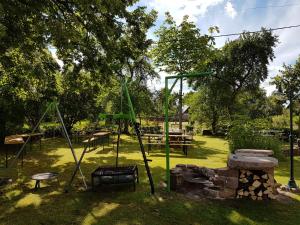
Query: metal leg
x,y
22,159
72,149
136,127
37,185
137,175
6,159
77,168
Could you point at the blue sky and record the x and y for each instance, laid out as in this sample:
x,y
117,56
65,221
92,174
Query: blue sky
x,y
235,16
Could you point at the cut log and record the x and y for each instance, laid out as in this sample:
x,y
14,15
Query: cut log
x,y
241,192
244,180
266,185
265,176
253,197
246,193
242,175
259,198
259,193
252,188
252,193
249,173
256,184
255,177
266,192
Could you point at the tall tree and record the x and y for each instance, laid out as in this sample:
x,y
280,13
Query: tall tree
x,y
287,82
239,66
96,38
179,49
27,82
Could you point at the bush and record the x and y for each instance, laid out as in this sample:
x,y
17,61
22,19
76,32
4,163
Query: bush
x,y
51,129
246,134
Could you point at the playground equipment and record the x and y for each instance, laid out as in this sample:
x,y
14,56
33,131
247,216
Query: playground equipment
x,y
130,116
167,93
52,107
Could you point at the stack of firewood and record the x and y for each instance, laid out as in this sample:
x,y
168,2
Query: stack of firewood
x,y
256,185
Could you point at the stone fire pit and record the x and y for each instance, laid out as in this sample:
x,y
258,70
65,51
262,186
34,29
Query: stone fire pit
x,y
249,174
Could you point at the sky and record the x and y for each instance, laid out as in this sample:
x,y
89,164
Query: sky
x,y
234,16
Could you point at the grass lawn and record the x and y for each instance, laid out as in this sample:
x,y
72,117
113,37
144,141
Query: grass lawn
x,y
19,204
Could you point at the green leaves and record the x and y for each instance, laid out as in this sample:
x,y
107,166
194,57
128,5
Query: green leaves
x,y
288,80
180,48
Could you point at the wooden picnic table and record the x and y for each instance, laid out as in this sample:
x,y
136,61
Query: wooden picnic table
x,y
182,140
103,134
13,140
12,143
30,135
170,135
33,138
92,141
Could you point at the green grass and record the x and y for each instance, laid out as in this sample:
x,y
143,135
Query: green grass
x,y
50,205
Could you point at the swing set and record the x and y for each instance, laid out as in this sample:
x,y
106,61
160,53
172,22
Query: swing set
x,y
130,117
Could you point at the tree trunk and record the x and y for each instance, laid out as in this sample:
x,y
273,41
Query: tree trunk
x,y
2,126
299,126
180,105
214,123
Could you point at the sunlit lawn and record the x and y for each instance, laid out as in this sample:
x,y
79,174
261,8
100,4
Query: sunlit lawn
x,y
20,204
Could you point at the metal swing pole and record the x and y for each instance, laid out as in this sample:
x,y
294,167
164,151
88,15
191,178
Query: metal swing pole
x,y
138,133
70,145
118,142
28,139
167,93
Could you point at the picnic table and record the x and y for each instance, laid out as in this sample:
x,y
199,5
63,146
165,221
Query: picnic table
x,y
34,137
93,140
12,143
175,140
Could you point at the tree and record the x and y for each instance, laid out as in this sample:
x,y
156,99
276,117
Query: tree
x,y
95,38
179,49
205,107
287,82
27,82
252,104
275,104
77,95
239,66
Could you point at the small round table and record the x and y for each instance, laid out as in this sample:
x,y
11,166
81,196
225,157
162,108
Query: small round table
x,y
43,176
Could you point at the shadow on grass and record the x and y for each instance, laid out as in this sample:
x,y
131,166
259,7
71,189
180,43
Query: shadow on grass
x,y
120,205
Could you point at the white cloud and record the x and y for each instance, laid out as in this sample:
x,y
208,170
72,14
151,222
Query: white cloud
x,y
230,10
179,8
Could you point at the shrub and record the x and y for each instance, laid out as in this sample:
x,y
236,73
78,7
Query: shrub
x,y
246,134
